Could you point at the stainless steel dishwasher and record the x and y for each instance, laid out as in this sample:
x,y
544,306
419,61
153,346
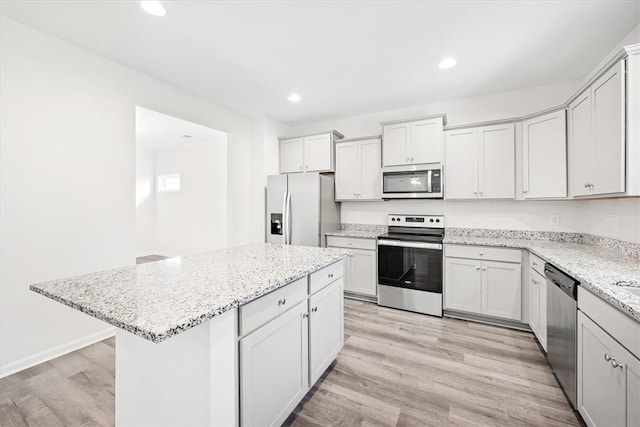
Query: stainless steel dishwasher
x,y
561,329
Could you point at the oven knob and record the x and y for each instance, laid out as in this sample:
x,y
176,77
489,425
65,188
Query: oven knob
x,y
437,220
393,219
431,220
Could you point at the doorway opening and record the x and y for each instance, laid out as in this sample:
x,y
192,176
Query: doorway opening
x,y
181,187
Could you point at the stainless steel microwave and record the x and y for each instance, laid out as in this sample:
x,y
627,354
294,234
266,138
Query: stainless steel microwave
x,y
412,182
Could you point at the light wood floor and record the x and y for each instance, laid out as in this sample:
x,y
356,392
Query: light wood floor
x,y
149,258
396,369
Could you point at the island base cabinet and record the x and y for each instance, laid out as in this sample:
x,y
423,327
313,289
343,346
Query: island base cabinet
x,y
608,378
326,328
187,380
274,368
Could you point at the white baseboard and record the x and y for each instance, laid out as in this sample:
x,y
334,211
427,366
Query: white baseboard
x,y
47,355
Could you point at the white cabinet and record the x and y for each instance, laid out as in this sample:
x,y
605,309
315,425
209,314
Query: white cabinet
x,y
480,163
312,153
544,156
326,331
538,307
274,369
608,378
479,285
412,142
286,354
358,171
291,157
597,136
361,271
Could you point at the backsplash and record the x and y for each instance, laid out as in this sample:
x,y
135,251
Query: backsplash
x,y
379,228
626,248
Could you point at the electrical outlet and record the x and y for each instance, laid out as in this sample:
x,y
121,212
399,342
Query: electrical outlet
x,y
555,219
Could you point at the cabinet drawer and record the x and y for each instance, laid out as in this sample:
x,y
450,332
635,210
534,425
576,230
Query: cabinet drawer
x,y
351,243
484,252
537,278
258,312
323,277
536,263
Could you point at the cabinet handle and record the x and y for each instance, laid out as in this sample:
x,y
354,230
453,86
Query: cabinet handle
x,y
524,191
477,268
300,168
607,357
305,315
282,301
535,264
331,274
481,253
314,309
586,185
407,160
615,364
412,160
484,268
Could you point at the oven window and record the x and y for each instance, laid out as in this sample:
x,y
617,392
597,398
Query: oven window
x,y
410,268
405,182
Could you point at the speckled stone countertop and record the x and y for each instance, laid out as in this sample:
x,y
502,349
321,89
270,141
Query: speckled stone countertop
x,y
599,269
361,234
160,299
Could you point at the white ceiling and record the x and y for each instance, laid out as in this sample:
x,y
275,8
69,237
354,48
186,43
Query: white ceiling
x,y
158,132
344,58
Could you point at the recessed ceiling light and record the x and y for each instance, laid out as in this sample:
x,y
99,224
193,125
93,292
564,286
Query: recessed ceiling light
x,y
155,8
294,97
447,63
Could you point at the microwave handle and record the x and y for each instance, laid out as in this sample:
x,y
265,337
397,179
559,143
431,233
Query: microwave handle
x,y
429,187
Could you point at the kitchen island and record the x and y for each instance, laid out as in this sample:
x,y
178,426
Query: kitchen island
x,y
230,337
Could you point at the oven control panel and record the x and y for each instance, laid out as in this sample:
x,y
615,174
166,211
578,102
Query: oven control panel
x,y
419,221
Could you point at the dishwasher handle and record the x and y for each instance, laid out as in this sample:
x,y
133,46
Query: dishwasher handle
x,y
566,283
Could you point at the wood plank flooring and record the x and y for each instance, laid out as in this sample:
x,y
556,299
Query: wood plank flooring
x,y
149,258
396,369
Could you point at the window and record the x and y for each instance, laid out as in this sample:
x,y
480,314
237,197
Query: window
x,y
169,183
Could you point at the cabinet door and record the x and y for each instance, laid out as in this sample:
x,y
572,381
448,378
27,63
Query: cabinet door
x,y
363,273
461,170
274,368
632,373
534,305
501,290
463,289
291,155
395,145
544,162
426,138
317,153
542,329
497,177
370,171
601,388
347,171
581,145
608,100
326,328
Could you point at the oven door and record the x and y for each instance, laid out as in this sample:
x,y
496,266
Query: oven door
x,y
410,265
398,183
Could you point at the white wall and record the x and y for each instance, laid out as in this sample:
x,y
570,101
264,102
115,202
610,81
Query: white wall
x,y
67,202
194,219
145,203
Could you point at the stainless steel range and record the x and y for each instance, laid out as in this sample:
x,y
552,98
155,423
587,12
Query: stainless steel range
x,y
410,262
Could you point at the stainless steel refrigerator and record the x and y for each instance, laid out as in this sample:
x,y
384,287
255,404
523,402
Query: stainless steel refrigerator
x,y
301,208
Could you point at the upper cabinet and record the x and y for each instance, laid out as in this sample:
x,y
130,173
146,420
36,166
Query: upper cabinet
x,y
480,163
311,153
597,136
358,171
413,142
544,156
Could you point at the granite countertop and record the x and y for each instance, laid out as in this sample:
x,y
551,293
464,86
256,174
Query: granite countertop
x,y
361,234
160,299
600,270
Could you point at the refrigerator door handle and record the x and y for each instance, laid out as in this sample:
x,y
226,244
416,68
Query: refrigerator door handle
x,y
288,219
284,217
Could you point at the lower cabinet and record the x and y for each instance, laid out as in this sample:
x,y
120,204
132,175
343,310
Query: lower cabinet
x,y
608,378
478,285
283,358
326,330
538,307
274,369
361,275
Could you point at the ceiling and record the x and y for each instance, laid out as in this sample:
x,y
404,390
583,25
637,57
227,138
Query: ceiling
x,y
344,58
158,132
